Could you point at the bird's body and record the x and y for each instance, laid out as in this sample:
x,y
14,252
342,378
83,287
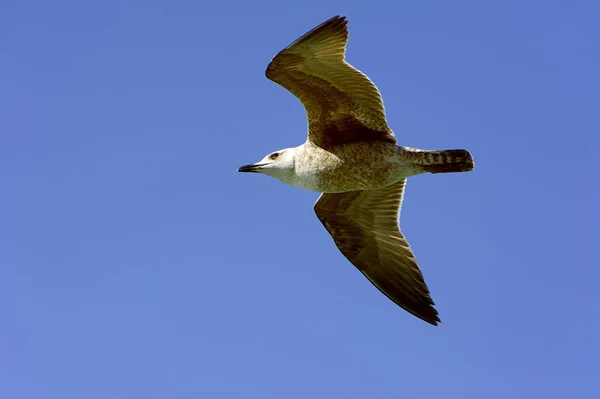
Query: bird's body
x,y
349,167
351,156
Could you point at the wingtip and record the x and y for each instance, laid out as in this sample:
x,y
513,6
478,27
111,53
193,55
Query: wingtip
x,y
341,19
427,312
335,28
433,318
337,21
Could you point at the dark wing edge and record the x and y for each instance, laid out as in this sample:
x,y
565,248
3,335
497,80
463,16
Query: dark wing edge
x,y
336,25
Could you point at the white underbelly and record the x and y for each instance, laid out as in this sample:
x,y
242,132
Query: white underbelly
x,y
307,181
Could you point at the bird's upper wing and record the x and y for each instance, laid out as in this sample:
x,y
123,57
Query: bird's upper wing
x,y
342,104
364,226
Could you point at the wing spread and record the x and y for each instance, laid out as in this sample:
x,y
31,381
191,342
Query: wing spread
x,y
364,226
341,103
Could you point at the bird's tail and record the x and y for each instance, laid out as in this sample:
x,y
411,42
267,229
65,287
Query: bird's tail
x,y
440,161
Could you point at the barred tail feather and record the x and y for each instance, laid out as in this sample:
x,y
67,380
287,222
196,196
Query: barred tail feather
x,y
443,161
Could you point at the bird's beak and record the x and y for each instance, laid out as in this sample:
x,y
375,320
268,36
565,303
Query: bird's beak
x,y
251,168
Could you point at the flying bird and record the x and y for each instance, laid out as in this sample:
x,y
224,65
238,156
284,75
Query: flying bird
x,y
352,158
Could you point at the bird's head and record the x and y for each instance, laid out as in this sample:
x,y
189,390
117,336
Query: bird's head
x,y
279,164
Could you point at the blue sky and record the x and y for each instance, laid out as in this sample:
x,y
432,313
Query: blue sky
x,y
135,262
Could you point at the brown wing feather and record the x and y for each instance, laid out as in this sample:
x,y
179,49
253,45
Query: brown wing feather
x,y
342,104
364,226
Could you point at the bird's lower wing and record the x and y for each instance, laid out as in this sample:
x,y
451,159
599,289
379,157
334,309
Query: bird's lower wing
x,y
364,226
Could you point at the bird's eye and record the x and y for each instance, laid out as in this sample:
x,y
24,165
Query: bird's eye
x,y
274,155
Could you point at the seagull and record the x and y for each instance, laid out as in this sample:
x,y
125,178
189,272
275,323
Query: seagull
x,y
352,158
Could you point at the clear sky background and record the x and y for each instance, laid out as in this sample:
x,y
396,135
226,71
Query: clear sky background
x,y
135,262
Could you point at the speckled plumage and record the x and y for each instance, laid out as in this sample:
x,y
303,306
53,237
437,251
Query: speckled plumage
x,y
351,167
352,158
